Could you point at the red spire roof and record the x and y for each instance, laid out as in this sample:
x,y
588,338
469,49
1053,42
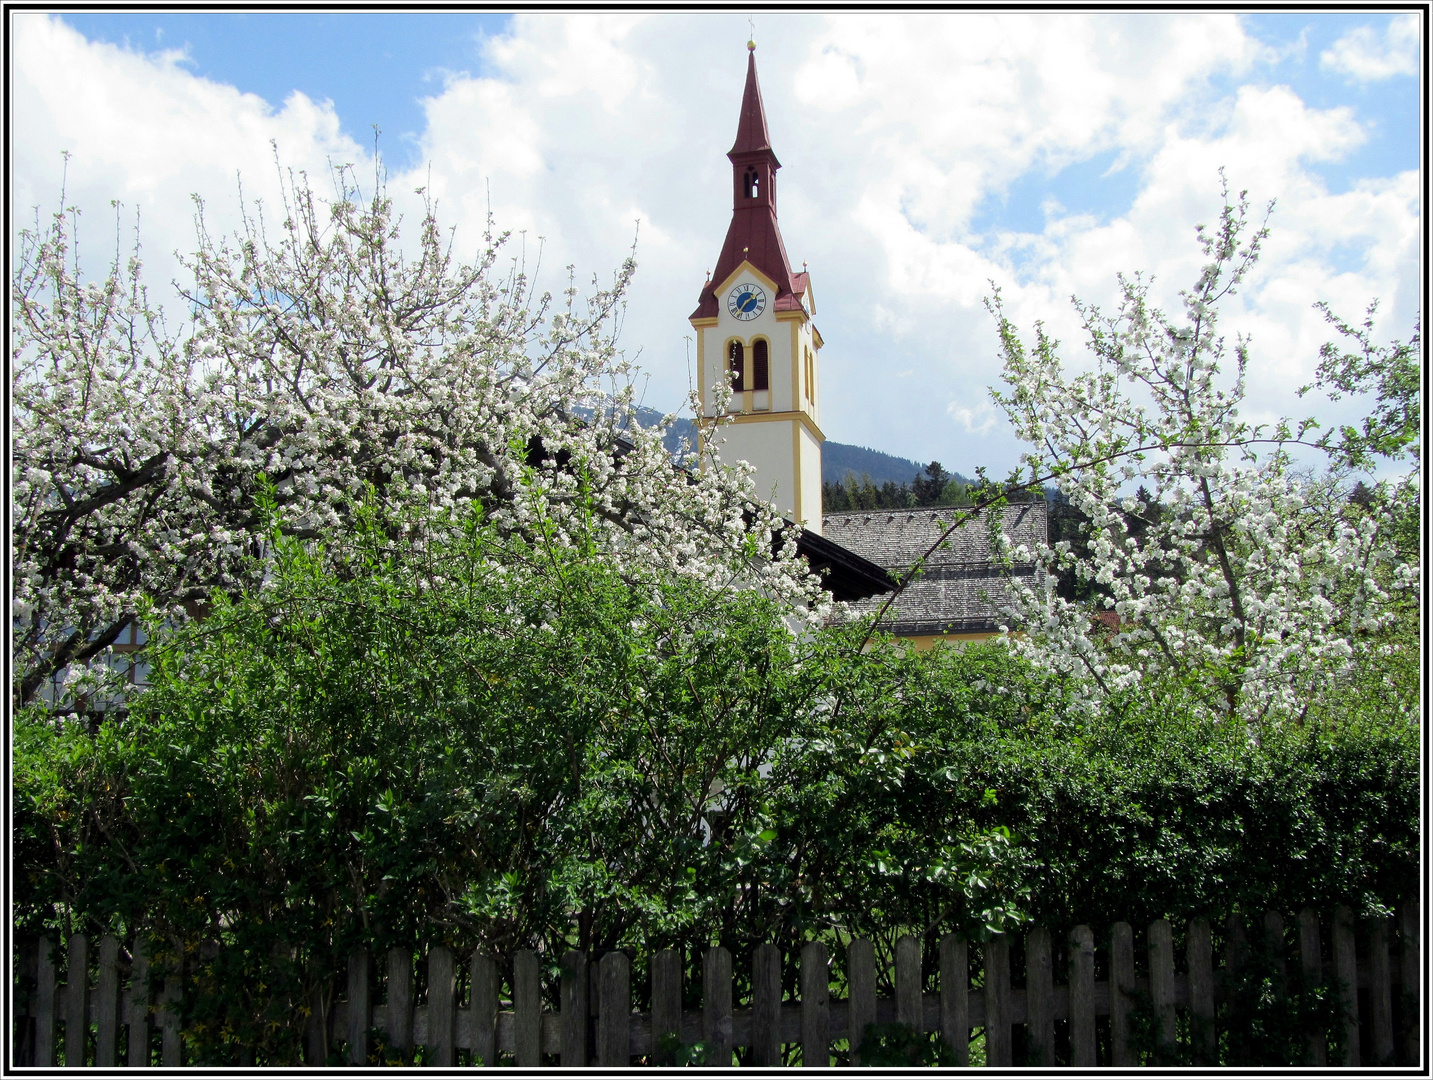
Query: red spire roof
x,y
751,131
753,234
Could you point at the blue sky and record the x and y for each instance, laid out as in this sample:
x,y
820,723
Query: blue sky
x,y
374,66
925,156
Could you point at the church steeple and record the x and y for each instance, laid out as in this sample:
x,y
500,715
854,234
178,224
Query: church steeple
x,y
755,334
751,134
753,235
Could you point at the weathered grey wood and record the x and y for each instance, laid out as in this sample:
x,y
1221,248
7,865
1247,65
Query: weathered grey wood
x,y
574,1003
400,999
815,1006
861,1004
766,1005
1274,943
171,1046
1409,983
356,1017
1039,998
614,1011
46,1013
1345,963
1161,977
908,982
77,1001
998,1011
1122,985
136,1005
1199,956
1380,992
442,1008
483,1007
106,1003
954,996
527,1010
1082,997
22,1048
1236,946
316,1037
1311,961
716,1006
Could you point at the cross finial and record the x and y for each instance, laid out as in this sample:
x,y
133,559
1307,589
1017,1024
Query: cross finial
x,y
751,41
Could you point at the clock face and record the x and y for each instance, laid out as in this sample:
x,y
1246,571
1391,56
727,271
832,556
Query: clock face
x,y
746,301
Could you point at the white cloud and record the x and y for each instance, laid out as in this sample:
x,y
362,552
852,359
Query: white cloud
x,y
1366,56
141,129
976,420
896,133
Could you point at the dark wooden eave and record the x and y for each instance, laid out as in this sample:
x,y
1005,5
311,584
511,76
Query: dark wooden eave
x,y
844,574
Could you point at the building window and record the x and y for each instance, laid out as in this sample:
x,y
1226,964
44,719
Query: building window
x,y
735,361
752,184
760,366
810,365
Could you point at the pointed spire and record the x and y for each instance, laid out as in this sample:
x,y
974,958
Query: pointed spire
x,y
751,132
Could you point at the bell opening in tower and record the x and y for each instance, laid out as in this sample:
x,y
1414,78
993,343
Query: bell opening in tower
x,y
760,367
735,361
752,184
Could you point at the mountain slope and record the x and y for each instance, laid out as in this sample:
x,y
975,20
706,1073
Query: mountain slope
x,y
837,459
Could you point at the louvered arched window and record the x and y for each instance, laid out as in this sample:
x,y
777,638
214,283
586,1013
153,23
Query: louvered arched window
x,y
760,366
735,362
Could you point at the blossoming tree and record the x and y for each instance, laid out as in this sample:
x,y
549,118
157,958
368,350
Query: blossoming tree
x,y
325,357
1253,584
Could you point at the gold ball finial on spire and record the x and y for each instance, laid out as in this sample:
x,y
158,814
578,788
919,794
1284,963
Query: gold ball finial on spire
x,y
751,46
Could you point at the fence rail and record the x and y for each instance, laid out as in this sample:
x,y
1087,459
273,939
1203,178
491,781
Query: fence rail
x,y
595,1024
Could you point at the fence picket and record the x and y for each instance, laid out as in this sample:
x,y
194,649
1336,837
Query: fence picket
x,y
77,1001
136,1011
815,1006
400,999
1380,996
1039,998
954,996
1345,961
1199,957
1409,984
442,1008
527,1010
171,1046
614,1011
574,1003
358,1007
106,1003
716,1006
1121,987
45,1011
1311,960
908,983
23,1047
997,1001
766,1005
316,1036
1082,997
1161,977
1274,942
483,1006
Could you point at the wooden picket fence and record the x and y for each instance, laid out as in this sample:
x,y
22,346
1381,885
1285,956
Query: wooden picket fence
x,y
595,1024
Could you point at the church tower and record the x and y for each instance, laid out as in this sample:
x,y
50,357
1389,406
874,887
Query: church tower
x,y
754,330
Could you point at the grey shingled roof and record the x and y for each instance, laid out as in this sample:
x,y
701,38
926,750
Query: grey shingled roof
x,y
961,589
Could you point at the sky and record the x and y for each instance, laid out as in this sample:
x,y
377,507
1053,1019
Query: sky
x,y
928,158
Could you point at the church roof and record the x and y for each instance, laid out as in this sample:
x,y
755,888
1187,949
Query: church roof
x,y
962,589
753,234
